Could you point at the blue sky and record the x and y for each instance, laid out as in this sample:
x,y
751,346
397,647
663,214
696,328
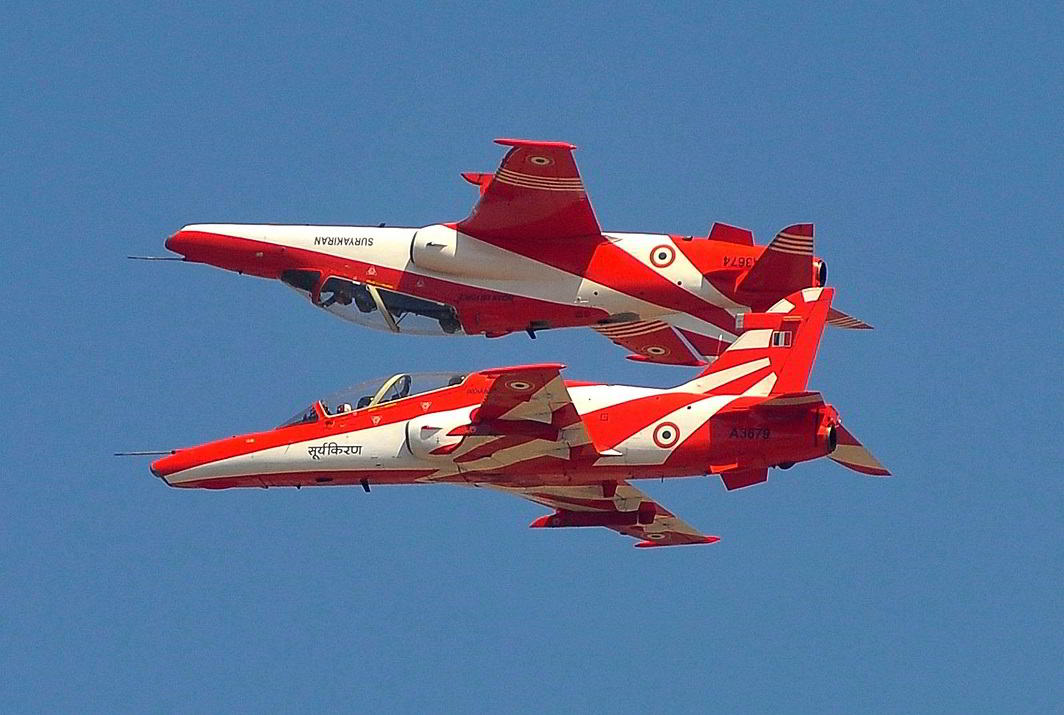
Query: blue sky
x,y
924,141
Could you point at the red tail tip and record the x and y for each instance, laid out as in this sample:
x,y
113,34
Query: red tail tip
x,y
799,229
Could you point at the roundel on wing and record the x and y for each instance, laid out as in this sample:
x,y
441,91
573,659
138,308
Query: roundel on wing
x,y
666,435
540,160
519,385
656,350
662,256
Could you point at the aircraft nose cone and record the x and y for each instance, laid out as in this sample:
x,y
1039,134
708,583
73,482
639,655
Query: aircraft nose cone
x,y
204,244
165,466
177,243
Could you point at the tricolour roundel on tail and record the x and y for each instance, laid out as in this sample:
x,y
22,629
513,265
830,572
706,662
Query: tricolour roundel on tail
x,y
776,351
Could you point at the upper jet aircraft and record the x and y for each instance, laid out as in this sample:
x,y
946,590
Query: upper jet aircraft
x,y
531,256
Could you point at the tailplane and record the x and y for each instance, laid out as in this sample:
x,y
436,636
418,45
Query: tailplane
x,y
776,352
850,453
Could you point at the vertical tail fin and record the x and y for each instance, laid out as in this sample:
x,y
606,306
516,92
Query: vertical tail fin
x,y
786,265
776,352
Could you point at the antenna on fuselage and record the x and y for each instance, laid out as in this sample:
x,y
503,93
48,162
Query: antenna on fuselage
x,y
149,453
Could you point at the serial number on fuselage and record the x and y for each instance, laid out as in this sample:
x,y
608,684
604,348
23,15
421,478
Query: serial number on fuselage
x,y
343,241
484,297
749,433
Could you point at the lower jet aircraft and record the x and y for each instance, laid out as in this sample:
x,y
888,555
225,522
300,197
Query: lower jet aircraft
x,y
531,256
572,446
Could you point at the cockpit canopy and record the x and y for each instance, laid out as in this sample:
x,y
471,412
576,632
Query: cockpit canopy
x,y
375,392
375,307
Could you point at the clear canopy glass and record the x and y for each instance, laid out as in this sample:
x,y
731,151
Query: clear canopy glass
x,y
375,307
375,392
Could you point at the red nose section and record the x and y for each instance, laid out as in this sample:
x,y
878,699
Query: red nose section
x,y
179,461
232,253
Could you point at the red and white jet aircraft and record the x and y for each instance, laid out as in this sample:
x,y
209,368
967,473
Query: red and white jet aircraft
x,y
530,257
572,446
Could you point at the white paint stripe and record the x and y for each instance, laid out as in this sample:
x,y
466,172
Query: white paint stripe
x,y
794,236
717,379
788,250
641,330
626,327
545,179
539,180
589,398
534,186
544,184
635,334
632,331
763,387
753,339
681,269
686,343
792,244
616,333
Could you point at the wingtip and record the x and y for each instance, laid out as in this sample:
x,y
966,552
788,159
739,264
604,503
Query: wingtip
x,y
687,363
703,540
532,142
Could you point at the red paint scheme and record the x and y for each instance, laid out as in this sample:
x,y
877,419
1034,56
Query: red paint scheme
x,y
536,210
526,431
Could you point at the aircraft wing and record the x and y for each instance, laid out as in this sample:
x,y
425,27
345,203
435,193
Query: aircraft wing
x,y
536,194
526,414
652,341
526,392
847,322
627,511
674,339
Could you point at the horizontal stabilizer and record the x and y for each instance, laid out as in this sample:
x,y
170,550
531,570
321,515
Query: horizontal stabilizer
x,y
840,320
785,407
851,454
739,478
731,234
478,179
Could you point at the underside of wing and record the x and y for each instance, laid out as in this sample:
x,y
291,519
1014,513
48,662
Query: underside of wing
x,y
615,505
839,319
675,339
536,194
652,341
